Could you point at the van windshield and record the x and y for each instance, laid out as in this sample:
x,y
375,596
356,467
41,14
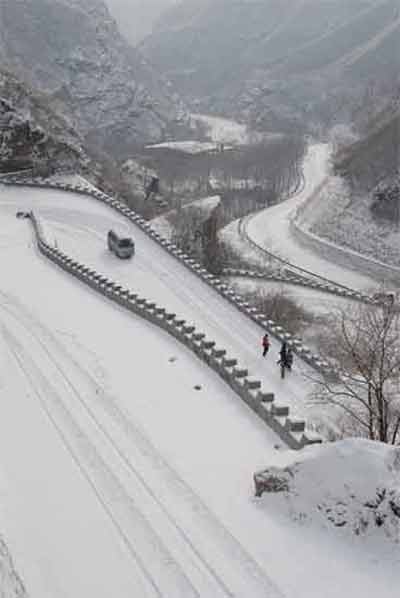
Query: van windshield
x,y
125,243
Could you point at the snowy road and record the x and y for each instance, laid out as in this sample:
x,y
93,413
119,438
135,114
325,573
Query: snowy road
x,y
270,228
79,225
118,478
163,537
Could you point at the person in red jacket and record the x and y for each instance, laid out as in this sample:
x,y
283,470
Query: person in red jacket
x,y
265,344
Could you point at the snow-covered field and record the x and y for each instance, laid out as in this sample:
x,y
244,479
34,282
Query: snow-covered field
x,y
187,147
119,477
224,130
221,131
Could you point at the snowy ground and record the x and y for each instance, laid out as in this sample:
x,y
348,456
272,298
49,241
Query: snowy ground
x,y
347,221
107,495
220,130
187,147
119,477
206,205
79,226
360,496
270,229
223,130
314,301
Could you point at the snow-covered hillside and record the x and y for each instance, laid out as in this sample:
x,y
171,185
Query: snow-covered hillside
x,y
272,229
31,133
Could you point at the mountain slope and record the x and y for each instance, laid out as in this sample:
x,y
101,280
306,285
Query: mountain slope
x,y
276,55
127,12
376,157
73,51
31,133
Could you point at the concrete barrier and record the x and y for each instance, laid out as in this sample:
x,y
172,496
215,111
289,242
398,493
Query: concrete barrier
x,y
295,279
345,257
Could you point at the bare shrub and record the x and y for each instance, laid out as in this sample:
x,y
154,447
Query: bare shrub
x,y
281,307
364,348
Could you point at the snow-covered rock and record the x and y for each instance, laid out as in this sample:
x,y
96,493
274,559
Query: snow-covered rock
x,y
31,133
353,484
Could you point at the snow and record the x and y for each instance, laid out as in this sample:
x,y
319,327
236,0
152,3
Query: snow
x,y
162,225
356,497
187,147
80,226
206,205
67,339
224,130
315,301
347,221
120,478
270,228
11,585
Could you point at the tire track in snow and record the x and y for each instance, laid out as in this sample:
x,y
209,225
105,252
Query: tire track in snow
x,y
194,515
159,571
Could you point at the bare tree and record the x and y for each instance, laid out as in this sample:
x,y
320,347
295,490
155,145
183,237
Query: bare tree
x,y
366,351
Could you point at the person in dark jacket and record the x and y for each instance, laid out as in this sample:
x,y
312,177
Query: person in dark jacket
x,y
265,344
289,358
283,353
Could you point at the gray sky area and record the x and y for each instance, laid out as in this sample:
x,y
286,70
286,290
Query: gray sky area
x,y
135,17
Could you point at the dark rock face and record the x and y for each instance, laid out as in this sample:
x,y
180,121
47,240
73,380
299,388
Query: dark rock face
x,y
126,13
31,134
375,158
273,480
72,51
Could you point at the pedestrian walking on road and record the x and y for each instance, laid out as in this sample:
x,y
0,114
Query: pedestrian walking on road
x,y
265,344
289,357
283,353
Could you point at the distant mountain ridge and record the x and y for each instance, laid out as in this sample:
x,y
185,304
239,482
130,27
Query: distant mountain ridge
x,y
73,51
282,57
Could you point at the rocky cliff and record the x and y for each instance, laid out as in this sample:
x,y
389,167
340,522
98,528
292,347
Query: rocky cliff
x,y
32,135
72,51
